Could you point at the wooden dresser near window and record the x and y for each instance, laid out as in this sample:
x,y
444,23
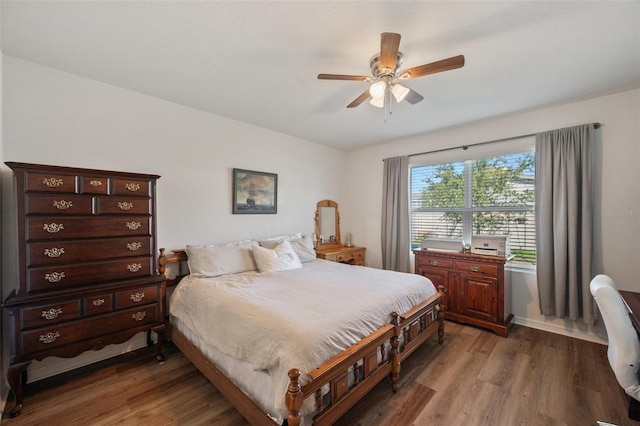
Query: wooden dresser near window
x,y
478,289
351,255
87,274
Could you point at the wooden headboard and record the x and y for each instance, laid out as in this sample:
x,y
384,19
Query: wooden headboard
x,y
177,256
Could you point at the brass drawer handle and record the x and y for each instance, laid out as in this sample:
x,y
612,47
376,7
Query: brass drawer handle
x,y
51,313
49,337
54,252
62,204
54,277
133,187
123,205
133,225
434,262
475,268
134,267
52,182
53,227
98,302
95,183
139,316
134,246
137,297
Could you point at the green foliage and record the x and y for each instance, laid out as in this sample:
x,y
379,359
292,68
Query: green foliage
x,y
497,182
524,256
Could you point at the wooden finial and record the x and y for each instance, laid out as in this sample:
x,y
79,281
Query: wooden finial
x,y
293,399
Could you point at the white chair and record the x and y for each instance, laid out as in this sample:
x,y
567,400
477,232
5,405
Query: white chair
x,y
624,346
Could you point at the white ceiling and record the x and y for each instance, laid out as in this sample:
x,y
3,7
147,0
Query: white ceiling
x,y
257,62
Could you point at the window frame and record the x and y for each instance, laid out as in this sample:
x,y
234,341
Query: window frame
x,y
506,147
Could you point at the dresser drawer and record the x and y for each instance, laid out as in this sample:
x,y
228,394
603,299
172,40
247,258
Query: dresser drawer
x,y
131,187
122,205
138,296
40,228
355,257
95,305
94,185
332,257
75,331
51,313
63,276
57,252
50,182
437,262
477,267
62,204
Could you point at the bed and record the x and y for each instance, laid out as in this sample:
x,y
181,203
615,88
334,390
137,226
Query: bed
x,y
299,344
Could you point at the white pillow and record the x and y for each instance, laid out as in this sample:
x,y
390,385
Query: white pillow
x,y
212,260
302,244
304,248
270,243
281,258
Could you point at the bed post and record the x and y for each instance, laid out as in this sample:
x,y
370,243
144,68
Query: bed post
x,y
440,308
395,353
162,268
293,399
162,262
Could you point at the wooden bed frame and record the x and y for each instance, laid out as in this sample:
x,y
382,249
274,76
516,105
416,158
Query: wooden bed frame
x,y
366,359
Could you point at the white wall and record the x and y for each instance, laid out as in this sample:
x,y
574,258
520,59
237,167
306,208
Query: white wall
x,y
618,218
52,117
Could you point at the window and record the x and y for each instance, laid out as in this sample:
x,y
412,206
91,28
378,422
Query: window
x,y
485,196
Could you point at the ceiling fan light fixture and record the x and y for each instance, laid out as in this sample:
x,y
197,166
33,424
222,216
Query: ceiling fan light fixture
x,y
377,102
399,91
378,89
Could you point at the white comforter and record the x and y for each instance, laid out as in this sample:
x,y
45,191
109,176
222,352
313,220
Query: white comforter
x,y
297,318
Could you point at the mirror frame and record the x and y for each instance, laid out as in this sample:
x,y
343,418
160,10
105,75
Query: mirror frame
x,y
336,243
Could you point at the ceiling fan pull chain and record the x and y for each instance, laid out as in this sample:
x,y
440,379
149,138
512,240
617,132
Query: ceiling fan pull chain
x,y
387,104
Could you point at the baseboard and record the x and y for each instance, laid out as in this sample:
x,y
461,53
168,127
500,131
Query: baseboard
x,y
560,329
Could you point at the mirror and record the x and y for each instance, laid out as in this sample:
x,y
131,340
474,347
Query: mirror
x,y
327,224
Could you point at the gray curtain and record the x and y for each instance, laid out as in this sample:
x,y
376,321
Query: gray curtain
x,y
564,225
395,215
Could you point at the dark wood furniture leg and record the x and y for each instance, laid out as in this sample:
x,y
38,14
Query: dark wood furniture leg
x,y
16,376
162,337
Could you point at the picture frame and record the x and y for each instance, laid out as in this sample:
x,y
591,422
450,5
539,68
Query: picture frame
x,y
254,192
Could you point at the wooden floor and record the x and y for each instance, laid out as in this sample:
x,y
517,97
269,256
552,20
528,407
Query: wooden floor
x,y
474,378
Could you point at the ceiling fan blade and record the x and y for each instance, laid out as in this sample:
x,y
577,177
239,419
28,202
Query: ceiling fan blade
x,y
343,77
360,99
434,67
389,45
413,97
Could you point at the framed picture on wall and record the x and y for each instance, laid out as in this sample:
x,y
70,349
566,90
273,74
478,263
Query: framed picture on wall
x,y
254,192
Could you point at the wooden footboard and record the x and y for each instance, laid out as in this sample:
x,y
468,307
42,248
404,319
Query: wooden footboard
x,y
351,374
339,383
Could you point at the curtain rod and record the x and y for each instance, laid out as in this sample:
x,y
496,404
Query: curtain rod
x,y
465,147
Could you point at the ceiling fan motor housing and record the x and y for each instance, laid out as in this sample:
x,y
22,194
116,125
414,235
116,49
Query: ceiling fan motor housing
x,y
374,63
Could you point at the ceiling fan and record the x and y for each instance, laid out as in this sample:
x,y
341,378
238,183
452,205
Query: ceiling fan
x,y
385,68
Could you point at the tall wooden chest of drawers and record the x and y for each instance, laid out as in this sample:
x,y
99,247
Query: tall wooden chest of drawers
x,y
87,274
478,288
